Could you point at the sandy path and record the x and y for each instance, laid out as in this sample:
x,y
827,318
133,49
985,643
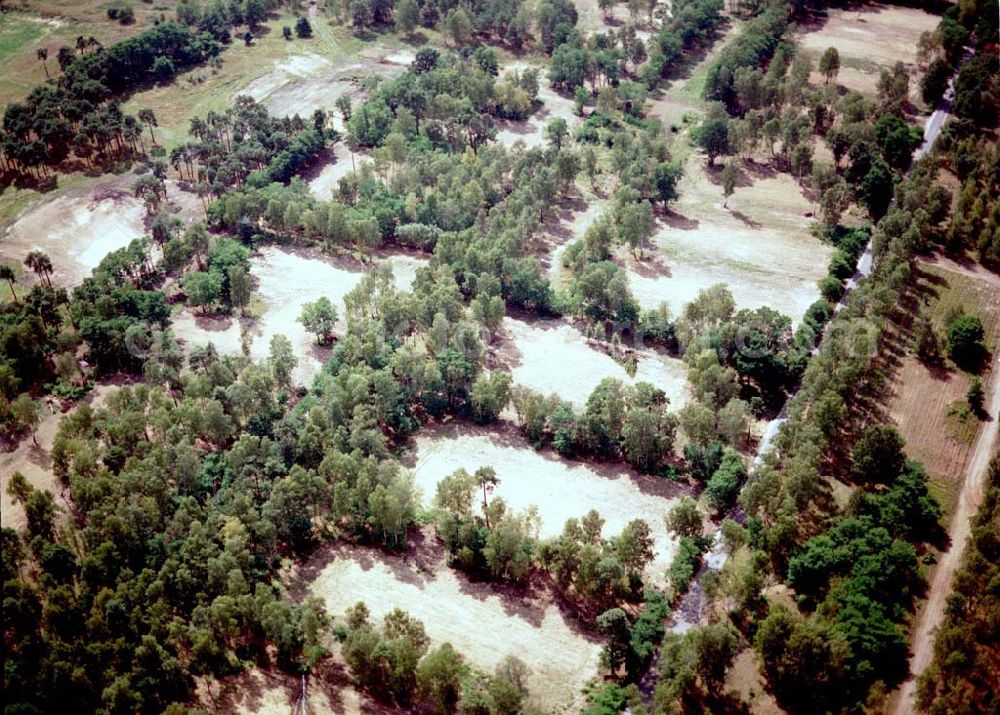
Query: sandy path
x,y
528,349
969,499
560,489
287,279
482,623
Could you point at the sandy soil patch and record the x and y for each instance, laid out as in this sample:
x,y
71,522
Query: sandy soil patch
x,y
286,280
528,349
760,247
35,461
532,130
868,40
482,623
325,183
77,230
559,488
304,83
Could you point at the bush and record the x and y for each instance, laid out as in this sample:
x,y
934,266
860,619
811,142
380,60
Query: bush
x,y
831,289
965,335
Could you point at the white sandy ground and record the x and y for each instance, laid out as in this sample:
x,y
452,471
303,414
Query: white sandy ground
x,y
326,180
760,247
484,625
287,279
82,225
559,488
869,38
553,356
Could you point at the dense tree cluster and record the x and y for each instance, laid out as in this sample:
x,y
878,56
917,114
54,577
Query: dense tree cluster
x,y
219,18
79,116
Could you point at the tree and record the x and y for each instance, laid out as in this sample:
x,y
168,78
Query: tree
x,y
684,519
459,25
43,56
556,131
878,457
282,360
302,27
634,546
487,480
407,16
829,63
286,32
975,395
41,264
147,117
203,288
7,274
319,318
636,224
240,287
965,336
730,176
713,137
439,677
27,414
725,483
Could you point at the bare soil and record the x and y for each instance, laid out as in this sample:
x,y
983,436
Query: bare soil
x,y
551,356
483,622
560,489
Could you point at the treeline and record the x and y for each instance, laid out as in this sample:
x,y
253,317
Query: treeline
x,y
966,645
606,59
892,516
218,18
76,117
975,223
394,661
751,48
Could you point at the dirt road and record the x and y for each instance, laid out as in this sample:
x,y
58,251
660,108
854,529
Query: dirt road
x,y
969,500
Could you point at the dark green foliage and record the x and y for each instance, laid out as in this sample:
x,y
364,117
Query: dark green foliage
x,y
878,456
965,336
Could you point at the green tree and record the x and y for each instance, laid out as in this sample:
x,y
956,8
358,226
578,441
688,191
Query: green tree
x,y
281,360
202,288
684,519
7,274
712,136
878,457
636,223
965,336
829,63
439,677
319,318
302,27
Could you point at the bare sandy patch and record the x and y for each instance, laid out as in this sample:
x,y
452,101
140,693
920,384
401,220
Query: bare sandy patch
x,y
560,489
77,230
286,280
869,38
553,356
760,246
328,178
532,130
479,621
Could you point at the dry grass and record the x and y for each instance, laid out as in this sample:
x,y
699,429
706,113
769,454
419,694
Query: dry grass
x,y
919,397
759,245
483,622
745,680
869,38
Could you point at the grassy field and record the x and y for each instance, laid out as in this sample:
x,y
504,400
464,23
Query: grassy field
x,y
869,38
923,400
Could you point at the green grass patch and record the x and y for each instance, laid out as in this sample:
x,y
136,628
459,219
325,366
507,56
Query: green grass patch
x,y
16,33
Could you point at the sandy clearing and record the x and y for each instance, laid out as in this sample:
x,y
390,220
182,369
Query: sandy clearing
x,y
327,179
559,488
868,40
76,230
308,82
287,279
528,349
532,130
482,624
760,247
570,225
